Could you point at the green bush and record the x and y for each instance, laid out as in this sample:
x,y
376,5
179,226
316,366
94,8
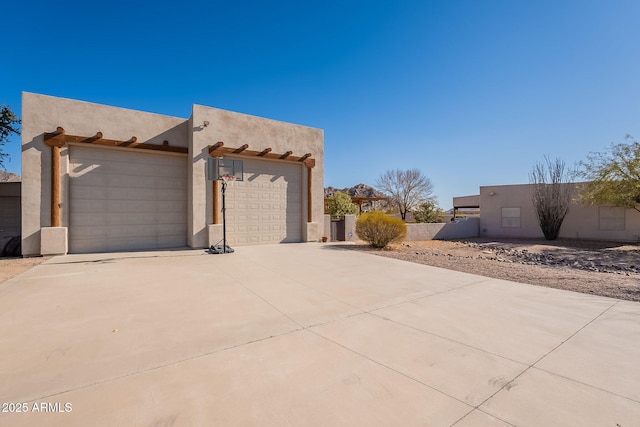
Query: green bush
x,y
379,229
428,212
340,204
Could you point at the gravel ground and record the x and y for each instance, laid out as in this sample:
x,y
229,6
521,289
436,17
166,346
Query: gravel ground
x,y
608,269
10,267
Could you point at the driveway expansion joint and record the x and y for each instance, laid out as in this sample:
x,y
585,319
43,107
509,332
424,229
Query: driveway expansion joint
x,y
508,385
388,367
160,366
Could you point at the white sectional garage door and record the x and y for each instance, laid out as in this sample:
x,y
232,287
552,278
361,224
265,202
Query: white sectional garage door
x,y
125,200
267,206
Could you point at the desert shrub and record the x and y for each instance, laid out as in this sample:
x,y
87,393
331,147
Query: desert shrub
x,y
379,229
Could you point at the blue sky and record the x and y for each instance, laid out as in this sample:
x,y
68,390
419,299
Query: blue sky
x,y
470,92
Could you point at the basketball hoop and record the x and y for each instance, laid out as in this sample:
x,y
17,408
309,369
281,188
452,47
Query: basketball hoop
x,y
228,178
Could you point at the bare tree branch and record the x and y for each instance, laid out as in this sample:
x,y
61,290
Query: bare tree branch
x,y
551,195
406,189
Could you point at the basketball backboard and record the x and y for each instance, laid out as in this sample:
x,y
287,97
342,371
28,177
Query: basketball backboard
x,y
218,167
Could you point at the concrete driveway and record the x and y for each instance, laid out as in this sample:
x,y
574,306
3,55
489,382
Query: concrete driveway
x,y
306,335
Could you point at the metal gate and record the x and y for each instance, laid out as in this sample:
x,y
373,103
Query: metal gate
x,y
338,229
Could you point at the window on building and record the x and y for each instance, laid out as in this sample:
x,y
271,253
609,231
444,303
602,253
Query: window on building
x,y
510,217
610,218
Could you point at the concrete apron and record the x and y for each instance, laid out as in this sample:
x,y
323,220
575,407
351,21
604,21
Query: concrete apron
x,y
306,334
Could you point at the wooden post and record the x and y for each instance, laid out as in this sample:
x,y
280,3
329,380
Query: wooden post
x,y
309,194
55,186
216,202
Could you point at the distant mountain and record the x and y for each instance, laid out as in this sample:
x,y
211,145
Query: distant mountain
x,y
9,177
360,190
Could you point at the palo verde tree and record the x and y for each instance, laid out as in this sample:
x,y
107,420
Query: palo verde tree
x,y
613,178
406,189
8,124
551,194
340,204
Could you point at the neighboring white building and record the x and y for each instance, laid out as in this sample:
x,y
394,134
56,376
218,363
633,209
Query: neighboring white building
x,y
97,178
508,211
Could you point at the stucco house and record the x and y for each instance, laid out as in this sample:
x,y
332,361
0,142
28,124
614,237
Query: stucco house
x,y
98,178
508,211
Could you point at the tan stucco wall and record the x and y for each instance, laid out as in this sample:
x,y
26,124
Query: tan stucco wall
x,y
235,130
443,231
582,222
326,232
40,114
350,228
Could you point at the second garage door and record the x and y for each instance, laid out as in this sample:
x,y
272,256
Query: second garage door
x,y
267,206
125,200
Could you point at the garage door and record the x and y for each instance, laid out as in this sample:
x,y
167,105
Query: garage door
x,y
9,216
267,206
125,200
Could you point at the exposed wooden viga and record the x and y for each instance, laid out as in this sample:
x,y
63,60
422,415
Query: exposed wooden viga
x,y
60,139
218,150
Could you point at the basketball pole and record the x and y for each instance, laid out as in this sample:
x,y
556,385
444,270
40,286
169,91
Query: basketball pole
x,y
216,249
221,170
224,218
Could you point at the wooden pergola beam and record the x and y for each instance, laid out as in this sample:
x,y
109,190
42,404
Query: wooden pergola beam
x,y
219,150
55,139
59,139
241,149
129,142
215,147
